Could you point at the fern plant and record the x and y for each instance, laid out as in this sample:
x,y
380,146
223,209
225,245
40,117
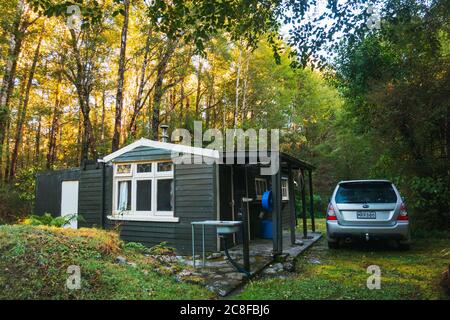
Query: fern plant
x,y
48,220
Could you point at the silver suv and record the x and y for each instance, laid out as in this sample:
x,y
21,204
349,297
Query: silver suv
x,y
367,209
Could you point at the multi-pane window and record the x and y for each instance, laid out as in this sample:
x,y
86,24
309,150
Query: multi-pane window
x,y
260,187
124,195
165,195
144,195
123,169
144,189
165,166
284,188
144,167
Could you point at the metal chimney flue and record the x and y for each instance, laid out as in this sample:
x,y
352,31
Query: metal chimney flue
x,y
164,135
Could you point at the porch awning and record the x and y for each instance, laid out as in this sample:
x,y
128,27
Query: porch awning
x,y
285,160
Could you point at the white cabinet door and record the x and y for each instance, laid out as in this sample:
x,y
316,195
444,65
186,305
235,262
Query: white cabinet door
x,y
69,201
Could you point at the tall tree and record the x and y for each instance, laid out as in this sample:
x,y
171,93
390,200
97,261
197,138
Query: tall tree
x,y
163,61
121,77
22,21
23,112
56,114
81,72
396,84
144,78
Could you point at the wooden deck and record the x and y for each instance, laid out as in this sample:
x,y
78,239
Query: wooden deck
x,y
221,277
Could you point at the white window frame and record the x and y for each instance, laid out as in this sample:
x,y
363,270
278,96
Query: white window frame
x,y
257,181
285,186
154,176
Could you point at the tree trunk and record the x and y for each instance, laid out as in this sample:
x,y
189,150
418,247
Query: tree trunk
x,y
199,87
83,84
51,153
88,141
102,125
238,79
8,153
182,112
8,126
140,100
121,78
6,90
155,110
244,90
38,142
23,113
80,137
159,88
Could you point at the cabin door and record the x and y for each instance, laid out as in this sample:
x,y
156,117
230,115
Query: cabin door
x,y
69,201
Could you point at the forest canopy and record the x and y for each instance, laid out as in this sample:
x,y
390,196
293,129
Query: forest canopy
x,y
359,88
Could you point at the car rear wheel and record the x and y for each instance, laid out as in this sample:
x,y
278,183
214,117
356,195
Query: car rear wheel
x,y
333,244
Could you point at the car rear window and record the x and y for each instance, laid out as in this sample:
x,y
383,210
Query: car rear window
x,y
366,192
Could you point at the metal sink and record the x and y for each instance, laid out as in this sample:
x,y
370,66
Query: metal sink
x,y
223,227
228,227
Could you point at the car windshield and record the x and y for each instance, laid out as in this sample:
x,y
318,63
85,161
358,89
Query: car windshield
x,y
366,192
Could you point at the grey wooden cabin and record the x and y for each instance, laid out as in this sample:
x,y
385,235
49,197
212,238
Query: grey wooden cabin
x,y
139,191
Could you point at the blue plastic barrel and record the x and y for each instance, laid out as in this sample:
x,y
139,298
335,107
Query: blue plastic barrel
x,y
266,229
267,201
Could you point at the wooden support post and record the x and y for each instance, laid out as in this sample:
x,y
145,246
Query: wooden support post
x,y
276,214
292,209
245,234
102,219
311,202
305,225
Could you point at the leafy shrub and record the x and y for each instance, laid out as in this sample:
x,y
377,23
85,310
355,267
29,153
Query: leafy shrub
x,y
137,247
320,206
16,200
25,183
429,200
13,205
48,220
162,248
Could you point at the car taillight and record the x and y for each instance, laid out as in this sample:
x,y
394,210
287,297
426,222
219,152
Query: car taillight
x,y
330,213
403,216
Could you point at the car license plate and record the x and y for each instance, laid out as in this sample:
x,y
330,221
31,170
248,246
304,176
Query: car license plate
x,y
366,215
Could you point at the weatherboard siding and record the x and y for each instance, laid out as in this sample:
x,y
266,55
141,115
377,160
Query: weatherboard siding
x,y
195,189
90,199
48,190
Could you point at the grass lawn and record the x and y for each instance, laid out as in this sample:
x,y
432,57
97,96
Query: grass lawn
x,y
342,274
34,262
